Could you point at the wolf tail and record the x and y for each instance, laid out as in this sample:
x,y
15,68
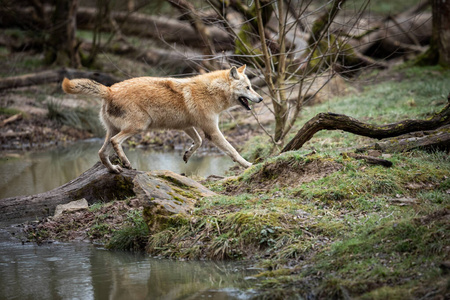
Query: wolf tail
x,y
85,87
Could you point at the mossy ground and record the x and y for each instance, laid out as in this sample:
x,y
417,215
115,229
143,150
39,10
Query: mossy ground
x,y
359,230
363,230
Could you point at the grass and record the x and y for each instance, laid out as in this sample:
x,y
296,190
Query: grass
x,y
132,236
9,111
362,231
406,93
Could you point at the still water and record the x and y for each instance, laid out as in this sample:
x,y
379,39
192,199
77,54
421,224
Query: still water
x,y
38,172
81,271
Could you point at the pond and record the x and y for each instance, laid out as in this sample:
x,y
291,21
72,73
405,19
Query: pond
x,y
37,172
82,271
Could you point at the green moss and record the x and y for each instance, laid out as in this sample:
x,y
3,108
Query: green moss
x,y
175,181
132,236
9,111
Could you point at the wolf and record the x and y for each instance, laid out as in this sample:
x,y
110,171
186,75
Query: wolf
x,y
144,103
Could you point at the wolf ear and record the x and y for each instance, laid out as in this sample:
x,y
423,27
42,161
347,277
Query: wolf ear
x,y
242,69
234,73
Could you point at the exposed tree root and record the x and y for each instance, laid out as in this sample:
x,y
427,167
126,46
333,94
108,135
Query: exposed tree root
x,y
332,121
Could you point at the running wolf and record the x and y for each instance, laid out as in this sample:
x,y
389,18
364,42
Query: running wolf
x,y
143,103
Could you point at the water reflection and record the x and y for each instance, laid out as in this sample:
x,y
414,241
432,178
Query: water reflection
x,y
33,173
79,271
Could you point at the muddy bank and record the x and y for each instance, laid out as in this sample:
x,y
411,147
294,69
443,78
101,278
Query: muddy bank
x,y
34,132
95,225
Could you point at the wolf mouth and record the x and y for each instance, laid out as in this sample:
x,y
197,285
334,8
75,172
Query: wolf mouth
x,y
244,102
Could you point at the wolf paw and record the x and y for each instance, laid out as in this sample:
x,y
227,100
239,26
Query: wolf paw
x,y
116,169
186,156
246,164
127,165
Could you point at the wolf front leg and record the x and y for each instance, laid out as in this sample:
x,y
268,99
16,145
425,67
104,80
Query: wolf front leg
x,y
219,140
192,132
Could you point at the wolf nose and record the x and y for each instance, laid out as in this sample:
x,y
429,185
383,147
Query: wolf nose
x,y
260,99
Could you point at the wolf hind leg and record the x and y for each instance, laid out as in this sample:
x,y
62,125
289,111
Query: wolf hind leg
x,y
103,152
116,142
193,134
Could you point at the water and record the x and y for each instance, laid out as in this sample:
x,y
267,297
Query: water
x,y
38,172
81,271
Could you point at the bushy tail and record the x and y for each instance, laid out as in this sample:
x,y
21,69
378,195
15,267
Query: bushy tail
x,y
85,87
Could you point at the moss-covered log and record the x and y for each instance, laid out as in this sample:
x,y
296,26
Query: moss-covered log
x,y
429,140
323,22
95,185
332,121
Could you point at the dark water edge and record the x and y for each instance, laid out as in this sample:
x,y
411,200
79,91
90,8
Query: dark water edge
x,y
83,271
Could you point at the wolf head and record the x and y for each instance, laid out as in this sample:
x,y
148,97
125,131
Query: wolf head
x,y
241,88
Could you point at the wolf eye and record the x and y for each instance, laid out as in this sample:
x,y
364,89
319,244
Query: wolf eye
x,y
248,87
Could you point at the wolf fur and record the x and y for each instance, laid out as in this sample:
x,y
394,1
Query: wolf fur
x,y
143,103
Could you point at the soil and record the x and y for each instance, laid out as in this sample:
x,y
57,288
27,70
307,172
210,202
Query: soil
x,y
82,225
286,173
37,132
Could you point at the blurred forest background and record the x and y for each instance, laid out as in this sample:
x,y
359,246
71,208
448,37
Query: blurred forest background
x,y
294,49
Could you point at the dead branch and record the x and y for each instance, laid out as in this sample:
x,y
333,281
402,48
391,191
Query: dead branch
x,y
332,121
16,134
369,159
53,76
438,139
11,119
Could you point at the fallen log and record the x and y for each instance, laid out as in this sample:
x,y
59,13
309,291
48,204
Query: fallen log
x,y
429,140
52,76
188,59
95,185
161,193
137,24
332,121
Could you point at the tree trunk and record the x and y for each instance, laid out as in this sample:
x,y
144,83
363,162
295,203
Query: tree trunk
x,y
62,44
441,30
439,49
332,121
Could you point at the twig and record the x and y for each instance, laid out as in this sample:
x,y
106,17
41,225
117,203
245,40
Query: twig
x,y
370,159
11,119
